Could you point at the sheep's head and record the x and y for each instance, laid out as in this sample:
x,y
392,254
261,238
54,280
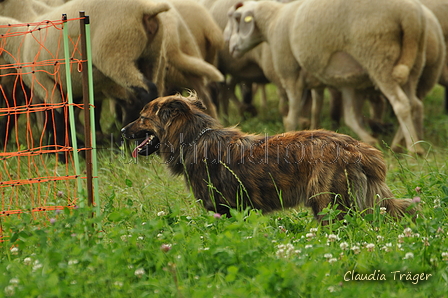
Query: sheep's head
x,y
241,32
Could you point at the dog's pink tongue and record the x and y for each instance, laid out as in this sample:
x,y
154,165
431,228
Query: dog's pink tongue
x,y
135,152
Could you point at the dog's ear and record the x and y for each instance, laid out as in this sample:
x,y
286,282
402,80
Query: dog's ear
x,y
172,108
199,104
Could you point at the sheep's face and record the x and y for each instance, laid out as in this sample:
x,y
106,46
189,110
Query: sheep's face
x,y
241,32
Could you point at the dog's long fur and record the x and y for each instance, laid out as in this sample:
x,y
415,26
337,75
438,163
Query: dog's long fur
x,y
228,168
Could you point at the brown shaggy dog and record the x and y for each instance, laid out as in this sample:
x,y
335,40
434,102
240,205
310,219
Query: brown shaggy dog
x,y
228,168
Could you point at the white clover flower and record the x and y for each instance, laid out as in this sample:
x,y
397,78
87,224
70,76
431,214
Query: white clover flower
x,y
355,249
310,235
370,247
286,250
313,230
332,237
407,232
379,238
328,256
387,247
343,245
37,265
280,253
118,284
140,238
437,203
445,256
308,246
408,255
383,210
161,213
72,262
14,250
139,272
332,260
10,290
27,261
14,281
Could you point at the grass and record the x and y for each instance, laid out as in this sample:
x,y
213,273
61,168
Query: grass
x,y
157,241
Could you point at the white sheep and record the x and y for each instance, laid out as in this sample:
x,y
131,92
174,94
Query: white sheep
x,y
344,45
123,32
435,67
440,10
254,67
194,38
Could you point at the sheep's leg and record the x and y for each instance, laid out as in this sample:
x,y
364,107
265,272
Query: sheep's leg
x,y
416,105
399,138
247,94
352,105
262,88
224,98
335,107
446,99
403,110
294,89
283,101
417,115
231,85
316,107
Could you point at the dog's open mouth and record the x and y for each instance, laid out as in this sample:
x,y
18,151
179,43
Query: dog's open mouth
x,y
147,146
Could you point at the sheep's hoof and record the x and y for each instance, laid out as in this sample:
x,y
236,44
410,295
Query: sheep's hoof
x,y
417,150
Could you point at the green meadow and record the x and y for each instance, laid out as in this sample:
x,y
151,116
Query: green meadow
x,y
152,239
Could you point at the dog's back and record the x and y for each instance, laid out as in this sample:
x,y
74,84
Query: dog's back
x,y
227,168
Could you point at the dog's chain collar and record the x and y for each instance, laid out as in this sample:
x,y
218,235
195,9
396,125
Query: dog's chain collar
x,y
201,134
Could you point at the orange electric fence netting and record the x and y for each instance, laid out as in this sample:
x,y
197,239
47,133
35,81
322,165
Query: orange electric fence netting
x,y
37,173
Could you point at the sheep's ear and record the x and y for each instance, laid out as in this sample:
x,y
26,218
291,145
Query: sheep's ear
x,y
238,5
247,24
149,18
151,24
172,108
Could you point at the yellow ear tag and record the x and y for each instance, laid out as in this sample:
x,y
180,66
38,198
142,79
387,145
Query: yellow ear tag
x,y
248,19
